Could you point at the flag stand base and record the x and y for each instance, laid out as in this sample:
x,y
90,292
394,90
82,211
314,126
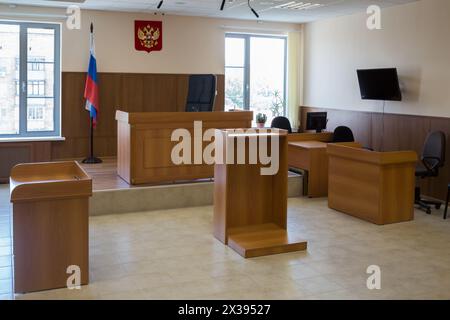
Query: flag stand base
x,y
92,160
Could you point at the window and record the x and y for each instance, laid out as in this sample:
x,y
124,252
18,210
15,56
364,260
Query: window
x,y
255,73
36,88
35,113
30,56
36,64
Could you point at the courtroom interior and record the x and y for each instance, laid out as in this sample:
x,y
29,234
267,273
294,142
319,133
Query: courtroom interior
x,y
224,150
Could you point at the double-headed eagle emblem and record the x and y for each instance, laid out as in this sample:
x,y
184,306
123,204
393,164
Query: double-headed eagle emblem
x,y
148,36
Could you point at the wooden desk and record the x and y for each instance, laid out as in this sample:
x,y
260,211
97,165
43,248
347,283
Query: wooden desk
x,y
374,186
50,224
250,209
311,156
311,136
144,143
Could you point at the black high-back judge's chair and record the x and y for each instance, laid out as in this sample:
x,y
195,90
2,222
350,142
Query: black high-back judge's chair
x,y
201,93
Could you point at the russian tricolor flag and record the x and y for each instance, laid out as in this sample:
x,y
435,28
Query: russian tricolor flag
x,y
91,89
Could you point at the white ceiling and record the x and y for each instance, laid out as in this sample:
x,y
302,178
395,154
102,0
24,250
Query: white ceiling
x,y
235,9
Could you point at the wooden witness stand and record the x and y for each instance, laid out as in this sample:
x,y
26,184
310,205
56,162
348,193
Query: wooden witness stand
x,y
51,226
373,186
250,209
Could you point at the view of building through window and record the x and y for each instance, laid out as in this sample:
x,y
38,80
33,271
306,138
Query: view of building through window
x,y
9,78
27,79
255,74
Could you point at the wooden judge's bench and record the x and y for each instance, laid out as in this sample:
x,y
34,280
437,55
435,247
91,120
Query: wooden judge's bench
x,y
145,146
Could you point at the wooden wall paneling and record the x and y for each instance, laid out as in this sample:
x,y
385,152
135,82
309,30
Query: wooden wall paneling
x,y
41,151
111,85
160,93
74,116
12,153
220,98
132,92
72,107
376,128
402,132
124,91
182,91
133,95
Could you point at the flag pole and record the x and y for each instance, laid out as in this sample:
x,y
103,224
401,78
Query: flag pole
x,y
92,159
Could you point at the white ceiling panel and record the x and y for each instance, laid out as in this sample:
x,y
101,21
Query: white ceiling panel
x,y
269,10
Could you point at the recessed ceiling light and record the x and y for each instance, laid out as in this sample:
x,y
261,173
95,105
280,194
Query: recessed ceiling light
x,y
295,5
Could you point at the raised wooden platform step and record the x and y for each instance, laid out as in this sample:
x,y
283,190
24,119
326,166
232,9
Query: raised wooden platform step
x,y
112,195
263,240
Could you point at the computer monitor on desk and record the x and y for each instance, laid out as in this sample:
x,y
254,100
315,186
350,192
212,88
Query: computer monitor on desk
x,y
316,121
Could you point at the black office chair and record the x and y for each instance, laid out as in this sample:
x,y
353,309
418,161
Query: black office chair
x,y
433,158
201,93
343,134
281,123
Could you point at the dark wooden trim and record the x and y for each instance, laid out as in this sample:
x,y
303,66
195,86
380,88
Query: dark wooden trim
x,y
401,132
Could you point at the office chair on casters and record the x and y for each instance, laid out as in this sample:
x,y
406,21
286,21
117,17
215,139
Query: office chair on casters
x,y
201,93
433,158
343,134
281,123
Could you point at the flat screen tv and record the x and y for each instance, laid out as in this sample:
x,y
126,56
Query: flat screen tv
x,y
379,84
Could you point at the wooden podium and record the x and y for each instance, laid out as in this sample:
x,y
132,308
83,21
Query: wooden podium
x,y
250,209
50,224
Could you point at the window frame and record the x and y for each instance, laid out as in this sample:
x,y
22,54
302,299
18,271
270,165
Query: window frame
x,y
247,65
23,81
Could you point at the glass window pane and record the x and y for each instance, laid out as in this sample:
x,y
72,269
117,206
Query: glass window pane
x,y
9,78
41,45
40,114
40,102
267,76
234,52
234,88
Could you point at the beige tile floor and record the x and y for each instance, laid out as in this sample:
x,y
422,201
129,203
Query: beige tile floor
x,y
172,254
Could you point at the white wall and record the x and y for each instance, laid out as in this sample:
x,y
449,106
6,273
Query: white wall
x,y
415,38
190,44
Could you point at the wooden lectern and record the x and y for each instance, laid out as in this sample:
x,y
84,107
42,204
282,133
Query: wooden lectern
x,y
250,209
50,224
